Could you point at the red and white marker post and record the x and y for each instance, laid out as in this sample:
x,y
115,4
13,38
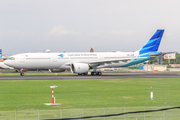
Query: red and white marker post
x,y
53,98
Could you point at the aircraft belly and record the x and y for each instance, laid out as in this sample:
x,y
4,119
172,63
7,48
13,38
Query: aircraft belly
x,y
41,65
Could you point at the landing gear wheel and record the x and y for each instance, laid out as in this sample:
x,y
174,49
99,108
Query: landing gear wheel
x,y
85,73
92,73
79,74
22,74
97,73
100,73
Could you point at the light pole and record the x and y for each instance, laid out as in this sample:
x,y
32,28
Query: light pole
x,y
125,111
104,111
39,112
144,111
164,111
61,110
53,98
83,110
16,112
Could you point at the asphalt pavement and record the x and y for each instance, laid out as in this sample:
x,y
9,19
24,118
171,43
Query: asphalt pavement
x,y
66,77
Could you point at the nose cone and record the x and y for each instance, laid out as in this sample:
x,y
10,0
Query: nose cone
x,y
7,62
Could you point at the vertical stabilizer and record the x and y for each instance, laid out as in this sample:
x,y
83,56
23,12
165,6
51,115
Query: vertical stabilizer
x,y
152,45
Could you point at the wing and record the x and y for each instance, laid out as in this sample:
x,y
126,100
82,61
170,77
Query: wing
x,y
110,61
98,62
159,54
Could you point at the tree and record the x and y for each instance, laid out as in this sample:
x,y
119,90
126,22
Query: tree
x,y
153,60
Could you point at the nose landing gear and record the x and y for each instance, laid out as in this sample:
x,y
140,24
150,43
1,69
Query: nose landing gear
x,y
22,71
22,74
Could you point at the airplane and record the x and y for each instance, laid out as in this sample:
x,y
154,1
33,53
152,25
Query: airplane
x,y
82,62
2,65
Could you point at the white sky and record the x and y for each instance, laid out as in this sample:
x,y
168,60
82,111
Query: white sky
x,y
78,25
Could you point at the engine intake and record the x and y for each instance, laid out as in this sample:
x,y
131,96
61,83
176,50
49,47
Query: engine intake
x,y
79,68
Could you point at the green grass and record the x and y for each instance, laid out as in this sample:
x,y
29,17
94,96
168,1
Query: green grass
x,y
30,94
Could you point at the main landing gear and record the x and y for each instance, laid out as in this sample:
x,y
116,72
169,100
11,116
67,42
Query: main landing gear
x,y
92,73
96,73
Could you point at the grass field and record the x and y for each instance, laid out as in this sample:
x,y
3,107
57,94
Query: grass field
x,y
74,94
29,94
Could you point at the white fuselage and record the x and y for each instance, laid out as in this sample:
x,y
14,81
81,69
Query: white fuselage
x,y
61,60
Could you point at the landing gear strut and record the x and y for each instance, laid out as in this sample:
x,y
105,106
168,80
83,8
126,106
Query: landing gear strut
x,y
21,72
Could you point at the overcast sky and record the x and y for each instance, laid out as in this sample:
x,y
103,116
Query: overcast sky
x,y
78,25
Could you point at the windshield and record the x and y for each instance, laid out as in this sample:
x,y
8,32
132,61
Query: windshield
x,y
11,58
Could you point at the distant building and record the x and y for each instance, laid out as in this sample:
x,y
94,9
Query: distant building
x,y
4,57
155,67
91,50
48,51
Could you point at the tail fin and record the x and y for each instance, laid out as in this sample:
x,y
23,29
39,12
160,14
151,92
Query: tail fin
x,y
152,45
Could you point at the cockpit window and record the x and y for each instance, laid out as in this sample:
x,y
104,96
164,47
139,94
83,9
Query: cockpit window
x,y
11,58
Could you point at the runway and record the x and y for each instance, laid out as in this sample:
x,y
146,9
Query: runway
x,y
66,77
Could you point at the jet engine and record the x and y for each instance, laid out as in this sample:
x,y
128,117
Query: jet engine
x,y
79,68
56,70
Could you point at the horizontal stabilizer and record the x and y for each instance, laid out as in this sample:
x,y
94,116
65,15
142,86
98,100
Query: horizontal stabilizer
x,y
159,54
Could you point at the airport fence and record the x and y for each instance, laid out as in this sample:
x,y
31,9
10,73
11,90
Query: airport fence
x,y
173,114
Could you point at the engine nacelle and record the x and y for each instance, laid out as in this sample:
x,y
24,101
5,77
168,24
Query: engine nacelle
x,y
79,68
56,70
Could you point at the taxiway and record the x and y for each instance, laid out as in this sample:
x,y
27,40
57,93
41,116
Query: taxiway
x,y
66,77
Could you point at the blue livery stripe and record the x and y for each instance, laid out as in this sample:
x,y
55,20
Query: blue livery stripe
x,y
153,44
150,41
143,49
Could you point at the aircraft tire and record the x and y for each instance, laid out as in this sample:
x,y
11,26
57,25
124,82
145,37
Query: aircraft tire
x,y
100,73
79,74
92,73
85,73
22,74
